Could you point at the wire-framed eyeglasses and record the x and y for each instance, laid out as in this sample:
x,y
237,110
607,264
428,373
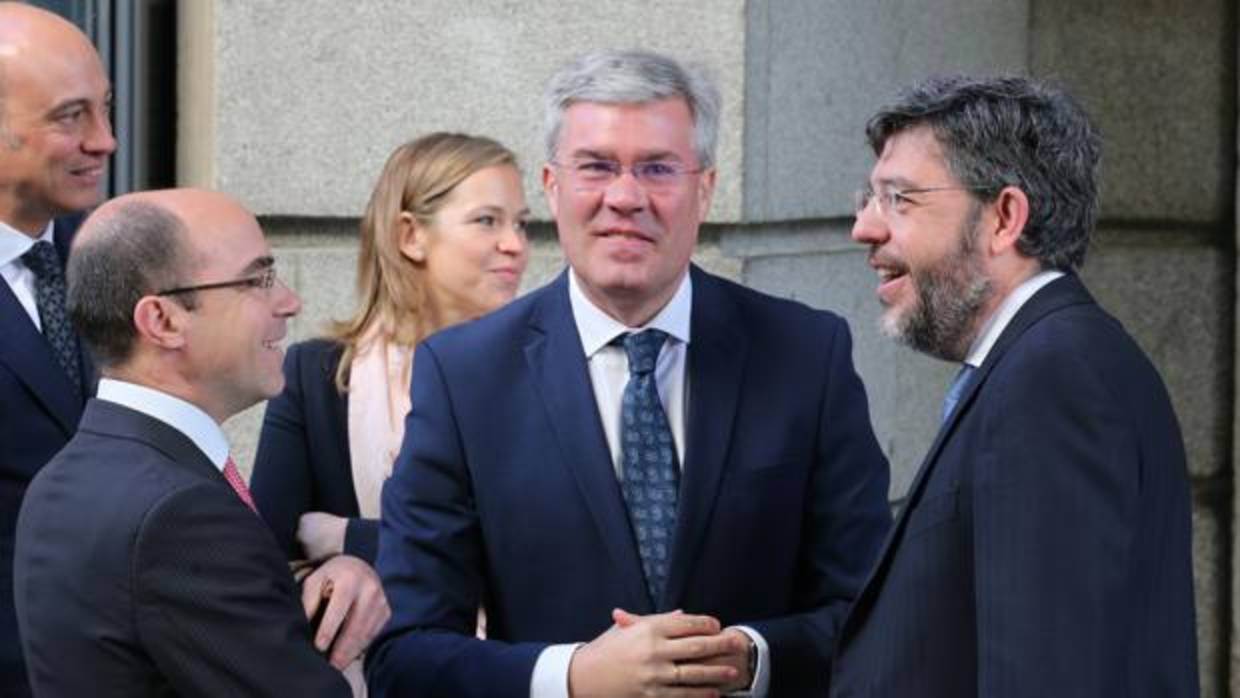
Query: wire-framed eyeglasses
x,y
592,174
263,280
891,200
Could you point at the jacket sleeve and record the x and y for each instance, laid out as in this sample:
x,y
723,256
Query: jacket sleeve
x,y
216,606
847,517
431,563
282,481
301,465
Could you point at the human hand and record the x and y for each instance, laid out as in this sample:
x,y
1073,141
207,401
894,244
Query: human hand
x,y
356,608
656,655
739,660
321,535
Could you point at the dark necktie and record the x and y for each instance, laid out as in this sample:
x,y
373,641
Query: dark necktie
x,y
956,390
651,475
49,297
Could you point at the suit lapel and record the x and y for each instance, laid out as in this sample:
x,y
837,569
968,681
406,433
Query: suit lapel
x,y
1062,292
557,362
716,361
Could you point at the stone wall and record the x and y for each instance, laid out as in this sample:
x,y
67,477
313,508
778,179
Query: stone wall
x,y
295,107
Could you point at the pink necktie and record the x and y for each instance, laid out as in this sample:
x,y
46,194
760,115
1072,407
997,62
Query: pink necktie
x,y
238,483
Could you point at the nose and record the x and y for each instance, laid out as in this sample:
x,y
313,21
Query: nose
x,y
99,139
288,303
513,241
624,194
870,227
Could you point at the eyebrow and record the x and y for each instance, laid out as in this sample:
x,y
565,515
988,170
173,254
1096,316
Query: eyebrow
x,y
652,156
495,208
75,102
896,182
259,264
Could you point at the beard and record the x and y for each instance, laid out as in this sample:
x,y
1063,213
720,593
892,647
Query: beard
x,y
950,294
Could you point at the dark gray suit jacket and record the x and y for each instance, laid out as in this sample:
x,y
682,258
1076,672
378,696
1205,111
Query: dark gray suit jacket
x,y
139,572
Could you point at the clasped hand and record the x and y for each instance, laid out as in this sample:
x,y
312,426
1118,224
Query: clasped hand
x,y
668,654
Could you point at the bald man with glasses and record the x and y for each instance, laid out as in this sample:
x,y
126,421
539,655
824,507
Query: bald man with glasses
x,y
141,565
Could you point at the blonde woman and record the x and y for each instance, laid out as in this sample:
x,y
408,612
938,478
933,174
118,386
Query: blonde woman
x,y
442,241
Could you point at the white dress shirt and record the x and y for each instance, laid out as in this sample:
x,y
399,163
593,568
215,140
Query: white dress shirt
x,y
19,277
173,411
609,372
998,321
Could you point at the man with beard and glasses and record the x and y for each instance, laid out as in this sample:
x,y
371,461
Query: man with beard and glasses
x,y
1044,547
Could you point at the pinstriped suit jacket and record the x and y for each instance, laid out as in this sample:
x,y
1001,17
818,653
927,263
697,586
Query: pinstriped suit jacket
x,y
1044,549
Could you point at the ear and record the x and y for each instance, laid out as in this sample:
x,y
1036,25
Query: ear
x,y
1011,213
412,236
706,191
551,187
160,321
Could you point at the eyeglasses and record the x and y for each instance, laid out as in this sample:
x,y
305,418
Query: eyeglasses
x,y
654,175
897,201
263,281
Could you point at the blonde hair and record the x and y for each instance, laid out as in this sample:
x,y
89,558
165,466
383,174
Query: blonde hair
x,y
391,289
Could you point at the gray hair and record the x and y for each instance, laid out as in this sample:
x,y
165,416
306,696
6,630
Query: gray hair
x,y
633,77
1012,131
134,250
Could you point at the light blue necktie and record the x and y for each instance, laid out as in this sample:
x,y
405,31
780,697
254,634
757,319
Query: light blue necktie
x,y
956,390
651,474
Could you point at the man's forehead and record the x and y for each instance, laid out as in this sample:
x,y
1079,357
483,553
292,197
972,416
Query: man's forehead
x,y
662,125
909,150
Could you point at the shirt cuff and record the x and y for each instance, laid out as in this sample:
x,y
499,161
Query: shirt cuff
x,y
761,680
550,678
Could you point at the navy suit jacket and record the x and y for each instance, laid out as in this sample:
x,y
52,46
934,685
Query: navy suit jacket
x,y
39,410
504,494
1044,547
140,572
303,462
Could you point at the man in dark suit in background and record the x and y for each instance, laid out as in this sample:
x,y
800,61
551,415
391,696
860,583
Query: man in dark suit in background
x,y
55,139
1044,546
637,435
141,567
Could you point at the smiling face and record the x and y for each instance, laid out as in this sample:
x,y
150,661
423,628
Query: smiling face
x,y
55,133
233,352
628,245
933,282
475,249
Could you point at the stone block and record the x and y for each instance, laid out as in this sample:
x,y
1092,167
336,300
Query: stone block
x,y
1159,80
817,69
307,104
905,388
1209,595
1175,296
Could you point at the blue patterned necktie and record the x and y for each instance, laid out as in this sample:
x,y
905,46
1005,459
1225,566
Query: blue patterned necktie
x,y
651,474
49,297
956,390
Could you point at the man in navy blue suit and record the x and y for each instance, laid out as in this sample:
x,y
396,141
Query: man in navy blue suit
x,y
653,481
55,139
1044,547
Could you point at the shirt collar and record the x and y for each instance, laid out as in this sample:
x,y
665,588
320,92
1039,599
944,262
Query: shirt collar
x,y
597,328
14,243
999,320
183,416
